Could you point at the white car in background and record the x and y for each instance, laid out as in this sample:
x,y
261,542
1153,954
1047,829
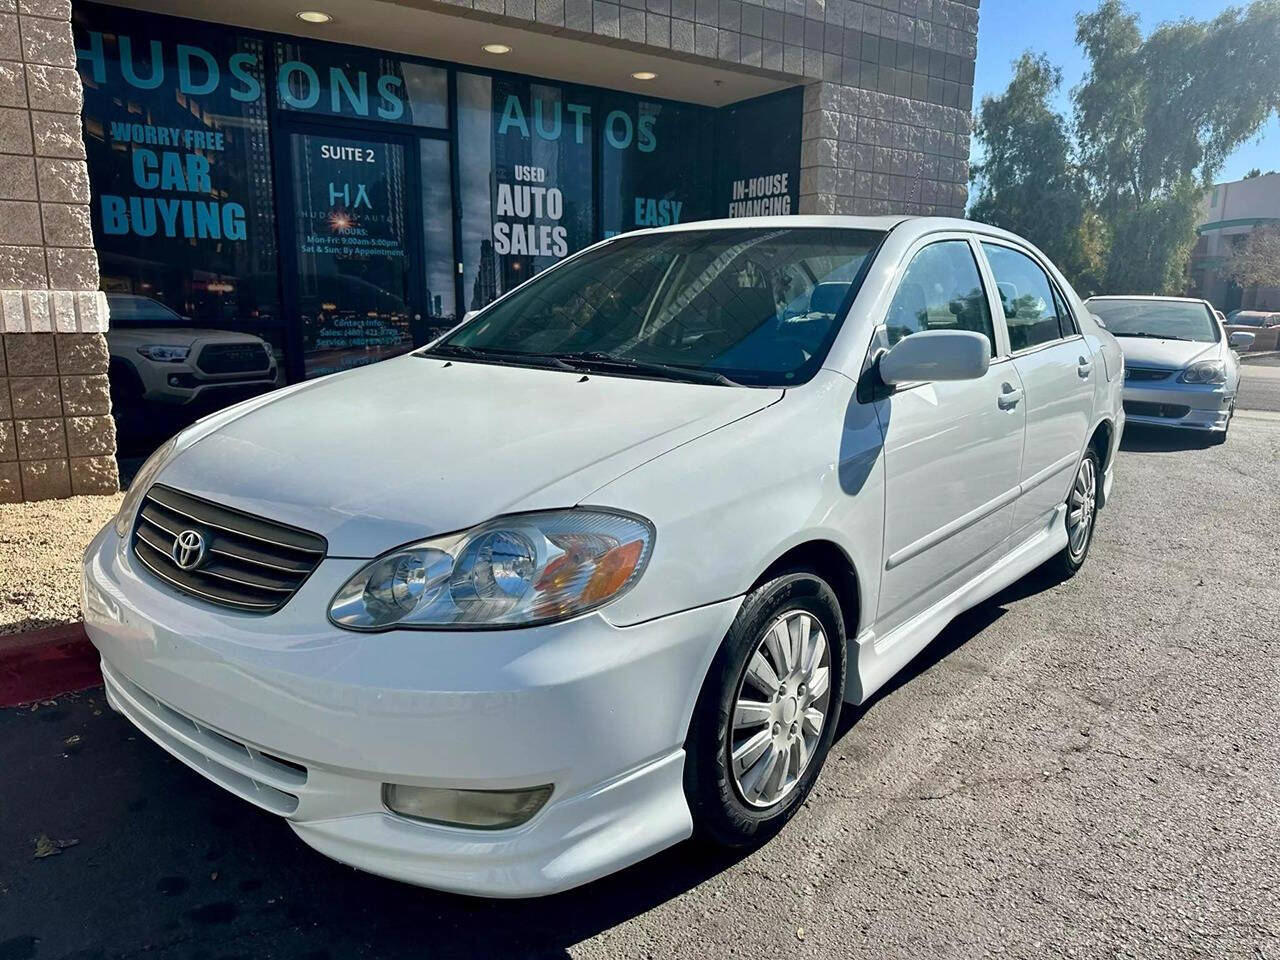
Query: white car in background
x,y
598,568
1180,366
159,357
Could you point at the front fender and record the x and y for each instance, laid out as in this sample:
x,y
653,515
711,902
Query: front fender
x,y
728,504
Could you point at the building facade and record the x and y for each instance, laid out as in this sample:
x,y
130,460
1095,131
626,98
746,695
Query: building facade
x,y
258,193
1229,214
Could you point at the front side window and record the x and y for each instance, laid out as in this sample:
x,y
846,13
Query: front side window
x,y
1158,319
1027,298
941,290
753,306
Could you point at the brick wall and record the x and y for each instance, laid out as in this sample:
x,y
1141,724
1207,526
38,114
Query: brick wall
x,y
56,433
866,152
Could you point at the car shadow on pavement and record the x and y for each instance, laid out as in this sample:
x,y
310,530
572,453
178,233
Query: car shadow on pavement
x,y
955,635
1139,438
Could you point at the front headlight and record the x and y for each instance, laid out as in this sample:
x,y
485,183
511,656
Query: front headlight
x,y
1206,371
141,481
164,352
513,571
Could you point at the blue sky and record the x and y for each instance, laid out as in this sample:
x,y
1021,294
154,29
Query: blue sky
x,y
1008,27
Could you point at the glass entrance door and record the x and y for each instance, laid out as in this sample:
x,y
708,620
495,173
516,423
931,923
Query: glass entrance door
x,y
356,249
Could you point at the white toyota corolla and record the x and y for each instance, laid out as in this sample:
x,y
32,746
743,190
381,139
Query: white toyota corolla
x,y
598,569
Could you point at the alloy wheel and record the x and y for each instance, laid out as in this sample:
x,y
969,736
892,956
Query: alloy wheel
x,y
780,709
1082,506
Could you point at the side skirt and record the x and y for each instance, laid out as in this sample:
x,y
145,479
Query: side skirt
x,y
877,659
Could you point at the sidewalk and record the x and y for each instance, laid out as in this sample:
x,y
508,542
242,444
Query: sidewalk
x,y
43,649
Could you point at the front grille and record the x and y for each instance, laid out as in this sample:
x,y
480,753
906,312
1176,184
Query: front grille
x,y
1146,373
1167,411
221,358
247,563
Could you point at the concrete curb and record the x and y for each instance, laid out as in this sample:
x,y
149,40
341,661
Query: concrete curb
x,y
1245,358
39,664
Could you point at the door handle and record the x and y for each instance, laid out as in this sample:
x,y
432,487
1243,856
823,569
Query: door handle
x,y
1009,396
1084,368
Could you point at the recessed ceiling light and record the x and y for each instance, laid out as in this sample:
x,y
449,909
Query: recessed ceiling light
x,y
498,48
644,75
314,16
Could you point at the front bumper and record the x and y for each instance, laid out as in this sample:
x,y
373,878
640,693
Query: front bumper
x,y
224,391
1194,406
309,722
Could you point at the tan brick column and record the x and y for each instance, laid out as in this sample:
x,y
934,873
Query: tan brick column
x,y
56,433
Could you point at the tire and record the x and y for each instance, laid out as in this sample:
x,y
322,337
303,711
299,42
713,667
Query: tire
x,y
726,808
1072,557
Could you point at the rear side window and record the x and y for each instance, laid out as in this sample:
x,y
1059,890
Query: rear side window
x,y
1065,318
1031,308
941,290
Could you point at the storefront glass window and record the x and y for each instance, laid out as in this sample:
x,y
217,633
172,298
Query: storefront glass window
x,y
440,310
758,175
656,164
336,81
351,225
175,130
527,203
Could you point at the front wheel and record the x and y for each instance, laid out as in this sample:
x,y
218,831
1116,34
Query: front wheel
x,y
767,713
1082,514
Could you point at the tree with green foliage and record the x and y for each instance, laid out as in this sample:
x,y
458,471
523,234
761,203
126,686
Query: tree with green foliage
x,y
1257,261
1026,182
1154,120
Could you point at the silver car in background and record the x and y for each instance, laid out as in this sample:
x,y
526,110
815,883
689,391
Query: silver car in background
x,y
1180,366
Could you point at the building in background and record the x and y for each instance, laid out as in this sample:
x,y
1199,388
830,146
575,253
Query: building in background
x,y
1229,214
267,192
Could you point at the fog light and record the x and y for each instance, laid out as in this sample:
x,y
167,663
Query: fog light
x,y
477,809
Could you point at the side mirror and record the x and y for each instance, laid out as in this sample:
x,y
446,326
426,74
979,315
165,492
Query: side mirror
x,y
469,315
1240,340
936,355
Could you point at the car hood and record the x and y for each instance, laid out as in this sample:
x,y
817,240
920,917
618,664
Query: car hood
x,y
1165,354
182,336
415,447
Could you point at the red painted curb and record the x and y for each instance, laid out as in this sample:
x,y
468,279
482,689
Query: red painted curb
x,y
39,664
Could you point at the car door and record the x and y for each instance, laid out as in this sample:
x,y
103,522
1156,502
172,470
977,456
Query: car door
x,y
1057,370
952,450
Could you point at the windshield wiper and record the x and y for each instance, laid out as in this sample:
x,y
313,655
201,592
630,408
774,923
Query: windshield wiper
x,y
489,355
1152,336
674,371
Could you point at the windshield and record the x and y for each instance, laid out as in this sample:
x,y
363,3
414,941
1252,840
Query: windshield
x,y
133,310
1166,319
750,306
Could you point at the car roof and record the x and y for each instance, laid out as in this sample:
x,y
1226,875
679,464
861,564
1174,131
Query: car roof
x,y
1138,296
914,224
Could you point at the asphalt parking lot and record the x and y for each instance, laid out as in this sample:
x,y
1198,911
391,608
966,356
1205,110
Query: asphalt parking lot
x,y
1260,384
1088,769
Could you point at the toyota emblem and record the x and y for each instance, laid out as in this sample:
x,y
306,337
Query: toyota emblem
x,y
188,549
